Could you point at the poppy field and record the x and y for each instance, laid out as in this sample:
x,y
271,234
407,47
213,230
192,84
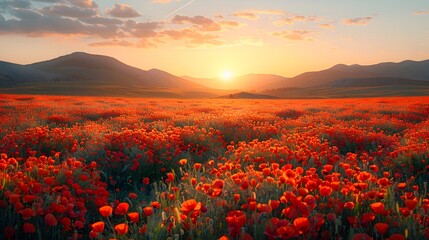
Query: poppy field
x,y
130,168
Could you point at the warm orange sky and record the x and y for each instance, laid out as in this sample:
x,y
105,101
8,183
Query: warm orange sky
x,y
203,38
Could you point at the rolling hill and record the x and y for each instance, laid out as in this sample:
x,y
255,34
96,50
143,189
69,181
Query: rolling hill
x,y
413,70
88,74
82,73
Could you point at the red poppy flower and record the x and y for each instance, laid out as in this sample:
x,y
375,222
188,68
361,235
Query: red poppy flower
x,y
134,216
381,228
155,204
301,223
93,234
50,220
106,211
132,195
28,228
170,177
411,203
236,218
264,208
122,228
377,207
49,180
397,236
362,236
98,226
122,208
27,213
148,211
197,166
286,232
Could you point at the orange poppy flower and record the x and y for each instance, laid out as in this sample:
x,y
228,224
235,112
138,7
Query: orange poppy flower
x,y
148,211
134,216
377,207
197,166
106,211
218,184
183,161
121,228
155,204
98,226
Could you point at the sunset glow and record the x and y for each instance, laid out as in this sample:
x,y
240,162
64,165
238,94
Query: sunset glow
x,y
226,75
192,37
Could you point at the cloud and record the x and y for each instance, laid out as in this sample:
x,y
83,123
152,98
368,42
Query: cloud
x,y
102,21
203,23
46,25
25,14
142,29
361,21
69,11
327,25
422,12
293,35
123,43
113,27
247,15
296,18
254,13
83,3
200,22
164,1
192,37
17,4
122,11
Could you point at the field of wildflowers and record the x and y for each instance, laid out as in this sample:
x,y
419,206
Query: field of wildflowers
x,y
123,168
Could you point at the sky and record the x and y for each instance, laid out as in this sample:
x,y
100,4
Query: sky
x,y
208,38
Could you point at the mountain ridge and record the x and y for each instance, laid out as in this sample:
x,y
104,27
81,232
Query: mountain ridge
x,y
84,73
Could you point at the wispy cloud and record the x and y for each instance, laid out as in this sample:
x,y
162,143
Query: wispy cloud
x,y
422,12
254,13
164,1
296,18
327,25
293,35
358,21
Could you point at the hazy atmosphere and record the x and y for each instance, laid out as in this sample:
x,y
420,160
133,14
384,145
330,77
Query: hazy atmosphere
x,y
202,38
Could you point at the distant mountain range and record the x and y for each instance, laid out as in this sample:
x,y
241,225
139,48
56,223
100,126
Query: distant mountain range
x,y
87,74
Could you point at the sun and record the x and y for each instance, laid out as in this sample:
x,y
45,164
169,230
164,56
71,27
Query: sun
x,y
226,75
